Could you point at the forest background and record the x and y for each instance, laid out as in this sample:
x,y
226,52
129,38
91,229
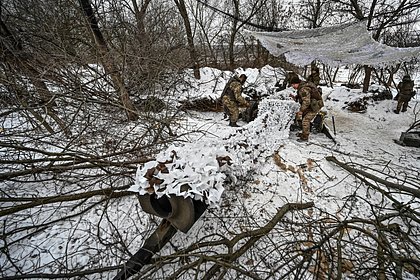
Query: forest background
x,y
74,72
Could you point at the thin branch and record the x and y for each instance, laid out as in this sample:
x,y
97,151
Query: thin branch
x,y
111,193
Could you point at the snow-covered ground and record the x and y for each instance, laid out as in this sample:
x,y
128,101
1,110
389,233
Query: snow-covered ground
x,y
269,169
366,138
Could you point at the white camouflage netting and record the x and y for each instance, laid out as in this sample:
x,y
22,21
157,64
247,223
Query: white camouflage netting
x,y
336,45
195,163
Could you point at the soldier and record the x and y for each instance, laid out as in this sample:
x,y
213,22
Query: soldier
x,y
288,77
405,89
314,76
232,98
311,103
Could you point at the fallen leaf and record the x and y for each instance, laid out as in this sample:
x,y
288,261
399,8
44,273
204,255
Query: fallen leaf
x,y
279,162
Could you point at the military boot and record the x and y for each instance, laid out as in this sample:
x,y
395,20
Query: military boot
x,y
303,137
233,124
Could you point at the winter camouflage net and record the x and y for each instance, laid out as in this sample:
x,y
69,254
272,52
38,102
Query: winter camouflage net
x,y
336,45
199,167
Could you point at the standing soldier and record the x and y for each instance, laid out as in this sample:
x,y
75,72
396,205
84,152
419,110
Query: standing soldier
x,y
232,98
405,89
314,76
311,103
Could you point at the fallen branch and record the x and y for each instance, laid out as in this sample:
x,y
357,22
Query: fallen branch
x,y
79,273
388,184
254,235
62,162
111,193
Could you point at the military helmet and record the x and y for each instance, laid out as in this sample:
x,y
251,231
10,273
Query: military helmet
x,y
295,80
406,78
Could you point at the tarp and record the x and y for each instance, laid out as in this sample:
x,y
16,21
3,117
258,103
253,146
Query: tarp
x,y
344,44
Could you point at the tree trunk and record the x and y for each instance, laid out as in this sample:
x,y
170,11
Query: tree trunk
x,y
191,48
358,13
366,80
233,35
140,14
25,68
107,61
48,100
392,72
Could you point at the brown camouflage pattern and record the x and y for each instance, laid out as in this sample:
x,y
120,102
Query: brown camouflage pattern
x,y
406,87
405,94
288,78
307,91
232,108
314,76
232,98
306,123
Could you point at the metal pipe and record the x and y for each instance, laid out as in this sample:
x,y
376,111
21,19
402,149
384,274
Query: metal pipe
x,y
153,244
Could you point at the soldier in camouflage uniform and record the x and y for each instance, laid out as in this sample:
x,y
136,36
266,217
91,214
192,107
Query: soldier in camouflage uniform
x,y
232,98
314,76
288,77
311,103
405,89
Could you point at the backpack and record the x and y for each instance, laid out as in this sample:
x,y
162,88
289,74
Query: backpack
x,y
407,87
316,97
227,91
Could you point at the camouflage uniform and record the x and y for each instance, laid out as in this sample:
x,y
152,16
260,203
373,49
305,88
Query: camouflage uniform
x,y
405,93
310,104
289,76
232,98
314,76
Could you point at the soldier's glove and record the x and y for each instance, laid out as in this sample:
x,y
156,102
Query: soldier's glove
x,y
299,116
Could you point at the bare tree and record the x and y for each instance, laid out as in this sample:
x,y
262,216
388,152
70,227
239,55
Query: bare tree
x,y
107,60
66,198
18,62
252,9
210,29
140,14
380,16
316,12
191,48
